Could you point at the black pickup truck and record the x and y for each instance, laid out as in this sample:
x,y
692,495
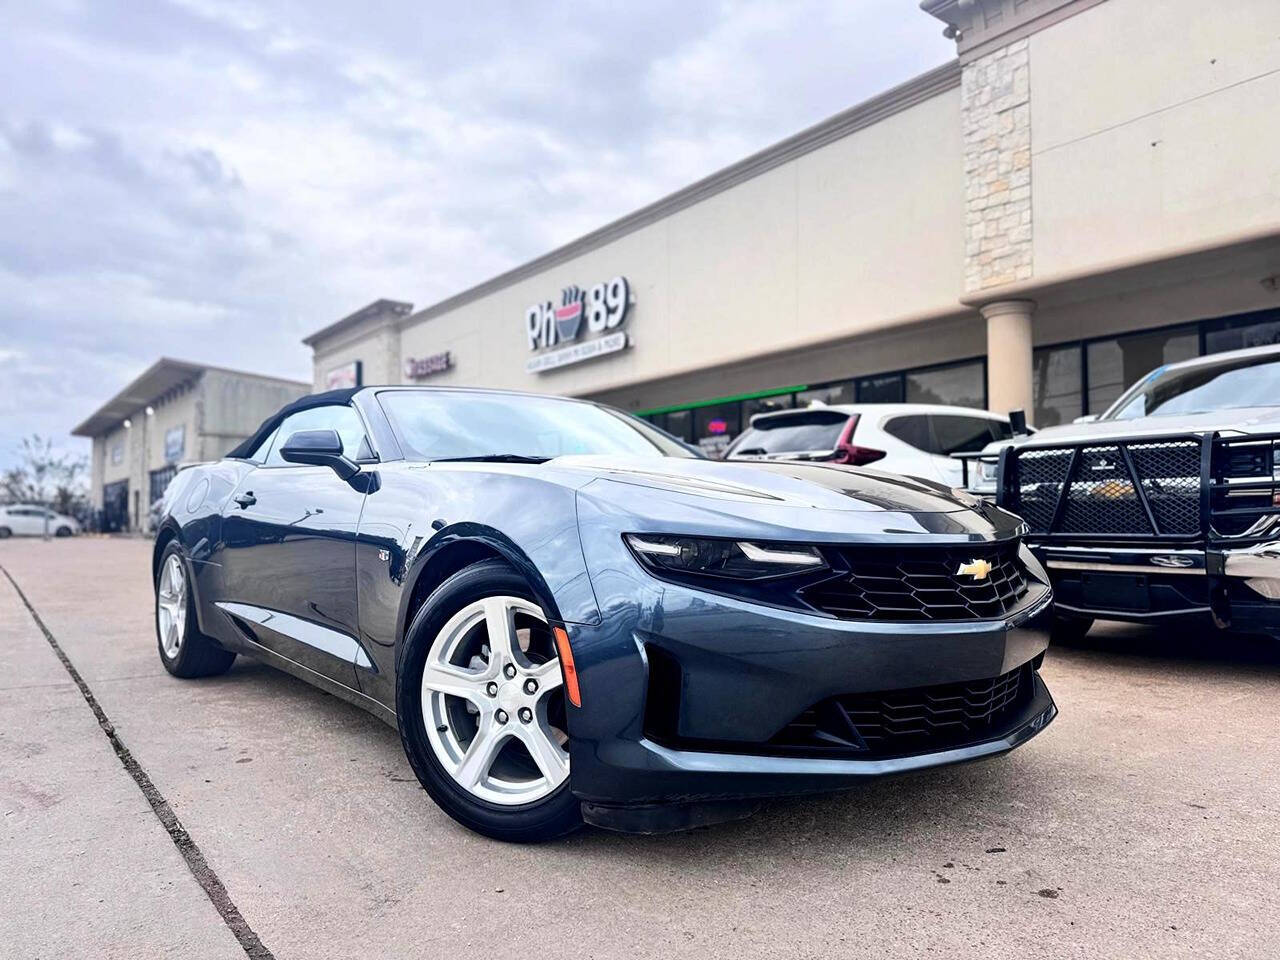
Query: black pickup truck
x,y
1165,507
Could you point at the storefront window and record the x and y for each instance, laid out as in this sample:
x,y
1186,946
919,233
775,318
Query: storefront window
x,y
750,408
1115,365
1261,332
1056,385
961,385
886,388
680,424
842,392
715,426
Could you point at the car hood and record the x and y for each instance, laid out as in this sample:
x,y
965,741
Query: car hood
x,y
1244,419
779,483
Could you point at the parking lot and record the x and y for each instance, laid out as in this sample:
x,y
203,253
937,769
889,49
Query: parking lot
x,y
1142,823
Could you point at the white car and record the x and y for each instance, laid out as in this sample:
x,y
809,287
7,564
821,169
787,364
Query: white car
x,y
914,439
29,520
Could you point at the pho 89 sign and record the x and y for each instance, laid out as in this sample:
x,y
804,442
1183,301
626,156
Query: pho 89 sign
x,y
597,312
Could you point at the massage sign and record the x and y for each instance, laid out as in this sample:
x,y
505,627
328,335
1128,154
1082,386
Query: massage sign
x,y
585,324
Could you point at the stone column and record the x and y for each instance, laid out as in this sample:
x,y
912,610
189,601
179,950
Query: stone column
x,y
1009,356
996,119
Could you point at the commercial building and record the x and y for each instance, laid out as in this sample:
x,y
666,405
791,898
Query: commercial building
x,y
1090,190
175,412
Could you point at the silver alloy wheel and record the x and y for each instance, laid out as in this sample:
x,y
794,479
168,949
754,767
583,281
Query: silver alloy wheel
x,y
494,699
171,605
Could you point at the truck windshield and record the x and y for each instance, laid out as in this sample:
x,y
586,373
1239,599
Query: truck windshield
x,y
1231,383
445,424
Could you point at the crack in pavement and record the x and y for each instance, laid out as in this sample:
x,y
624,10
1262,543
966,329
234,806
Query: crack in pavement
x,y
204,874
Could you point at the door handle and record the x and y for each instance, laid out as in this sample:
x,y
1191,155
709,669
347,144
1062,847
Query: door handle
x,y
246,499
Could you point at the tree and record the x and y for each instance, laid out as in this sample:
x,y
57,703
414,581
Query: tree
x,y
46,476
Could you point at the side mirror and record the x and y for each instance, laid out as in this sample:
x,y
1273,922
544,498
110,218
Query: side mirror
x,y
1018,421
319,448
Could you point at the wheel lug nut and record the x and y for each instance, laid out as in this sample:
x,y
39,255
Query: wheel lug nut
x,y
509,670
491,689
525,714
501,716
531,686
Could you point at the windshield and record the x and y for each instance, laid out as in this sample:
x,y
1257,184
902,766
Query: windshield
x,y
809,431
450,424
1238,382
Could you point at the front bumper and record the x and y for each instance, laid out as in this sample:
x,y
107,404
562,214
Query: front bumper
x,y
745,671
681,789
1237,587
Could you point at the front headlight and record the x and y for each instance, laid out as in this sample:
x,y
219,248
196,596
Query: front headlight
x,y
982,476
727,559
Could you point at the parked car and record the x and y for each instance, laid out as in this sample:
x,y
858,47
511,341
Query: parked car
x,y
912,439
569,616
33,520
1167,506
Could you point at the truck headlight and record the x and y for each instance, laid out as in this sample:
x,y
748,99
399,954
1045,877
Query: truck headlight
x,y
982,478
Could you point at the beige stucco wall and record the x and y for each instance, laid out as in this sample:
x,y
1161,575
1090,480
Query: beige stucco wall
x,y
855,236
230,406
375,344
111,472
1176,299
1153,128
178,412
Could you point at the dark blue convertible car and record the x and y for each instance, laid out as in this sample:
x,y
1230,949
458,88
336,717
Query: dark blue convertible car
x,y
571,616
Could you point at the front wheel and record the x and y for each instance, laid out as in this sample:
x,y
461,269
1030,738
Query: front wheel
x,y
482,710
184,650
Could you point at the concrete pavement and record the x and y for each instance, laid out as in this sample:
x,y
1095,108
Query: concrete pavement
x,y
1142,823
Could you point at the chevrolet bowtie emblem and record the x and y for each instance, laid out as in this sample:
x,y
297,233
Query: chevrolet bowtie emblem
x,y
978,569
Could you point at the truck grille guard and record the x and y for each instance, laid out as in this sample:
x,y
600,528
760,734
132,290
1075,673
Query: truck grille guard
x,y
1212,489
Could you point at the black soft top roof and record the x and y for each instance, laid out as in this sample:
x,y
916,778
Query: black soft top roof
x,y
331,398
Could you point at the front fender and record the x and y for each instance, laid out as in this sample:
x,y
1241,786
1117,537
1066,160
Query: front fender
x,y
416,528
433,559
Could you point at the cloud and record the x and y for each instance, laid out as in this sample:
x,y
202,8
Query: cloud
x,y
214,180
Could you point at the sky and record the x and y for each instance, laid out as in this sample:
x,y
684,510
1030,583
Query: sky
x,y
213,180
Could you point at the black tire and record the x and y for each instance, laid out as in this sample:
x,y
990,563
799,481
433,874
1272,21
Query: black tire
x,y
553,816
1069,630
198,655
63,531
5,533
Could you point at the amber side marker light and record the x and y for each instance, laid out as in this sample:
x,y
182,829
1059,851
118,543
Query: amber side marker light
x,y
566,663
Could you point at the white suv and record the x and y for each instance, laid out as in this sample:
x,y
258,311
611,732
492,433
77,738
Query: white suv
x,y
915,439
25,519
